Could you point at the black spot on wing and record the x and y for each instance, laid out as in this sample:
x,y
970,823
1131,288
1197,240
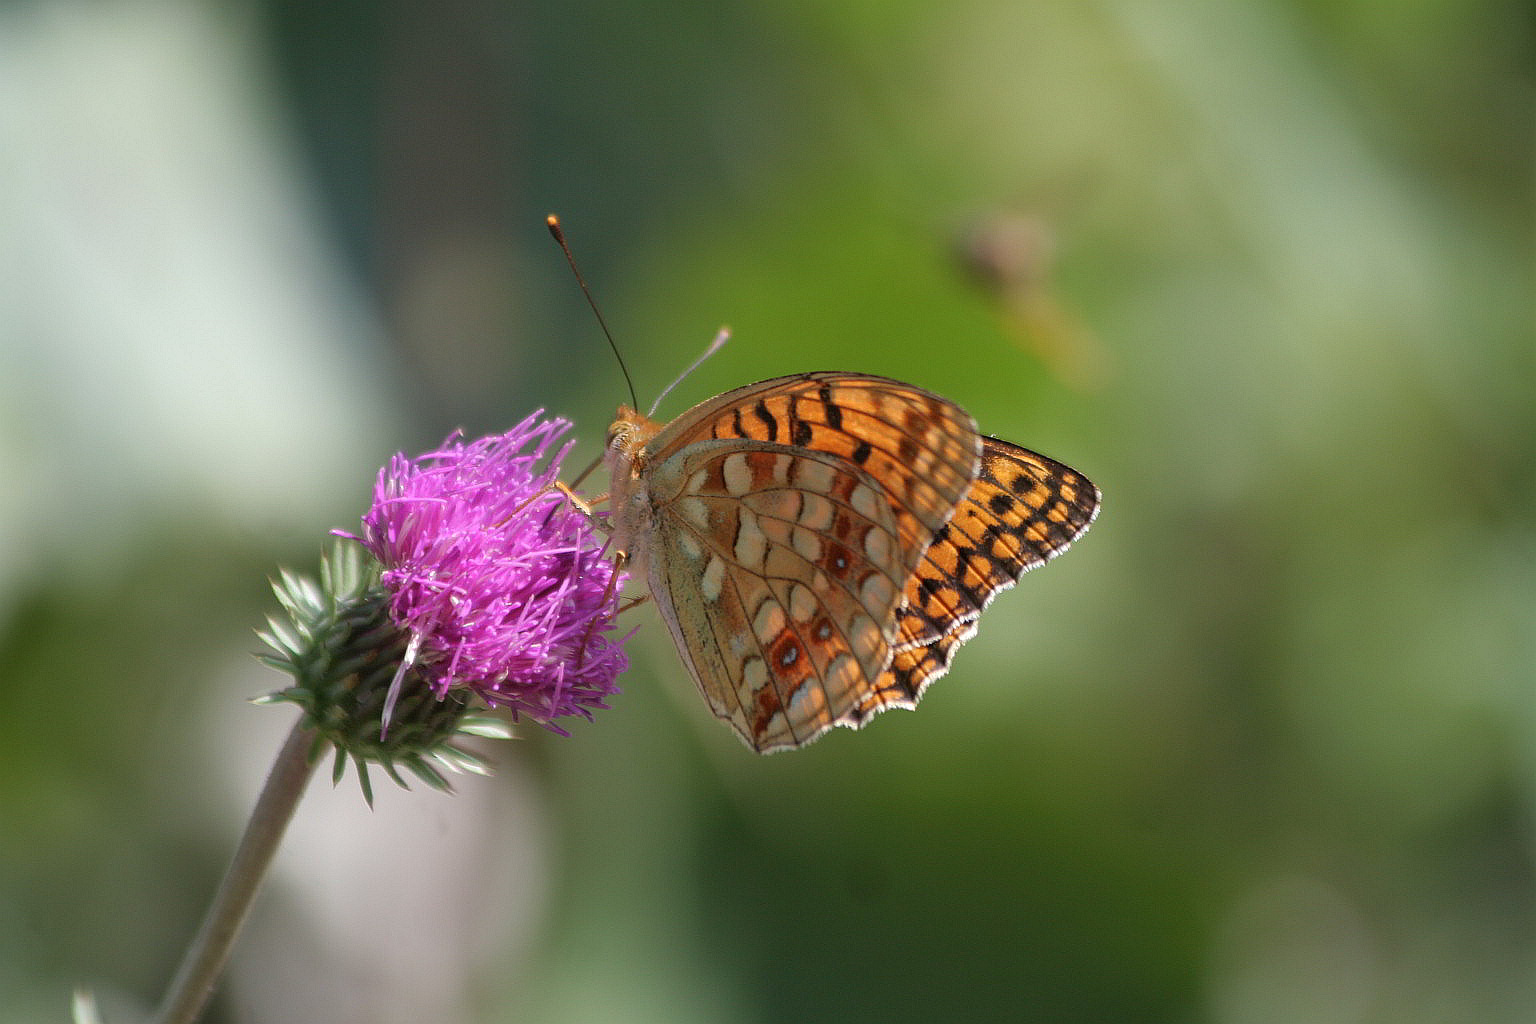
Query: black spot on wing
x,y
760,410
834,414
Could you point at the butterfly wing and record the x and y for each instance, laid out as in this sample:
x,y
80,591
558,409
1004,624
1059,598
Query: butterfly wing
x,y
923,450
787,517
778,598
1022,510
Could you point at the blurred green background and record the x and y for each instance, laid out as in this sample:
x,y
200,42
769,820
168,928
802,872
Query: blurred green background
x,y
1261,749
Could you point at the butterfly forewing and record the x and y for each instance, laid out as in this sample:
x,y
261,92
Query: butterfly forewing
x,y
1022,510
921,449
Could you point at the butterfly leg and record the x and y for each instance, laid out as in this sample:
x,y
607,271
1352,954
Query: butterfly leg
x,y
583,505
619,560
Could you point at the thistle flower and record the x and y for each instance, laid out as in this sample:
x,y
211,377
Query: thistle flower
x,y
490,587
501,584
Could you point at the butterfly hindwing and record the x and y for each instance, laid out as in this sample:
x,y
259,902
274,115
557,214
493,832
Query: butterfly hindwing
x,y
782,570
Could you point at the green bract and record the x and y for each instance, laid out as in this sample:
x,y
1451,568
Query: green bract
x,y
337,642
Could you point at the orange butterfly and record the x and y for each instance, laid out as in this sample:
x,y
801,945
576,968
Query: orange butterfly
x,y
819,544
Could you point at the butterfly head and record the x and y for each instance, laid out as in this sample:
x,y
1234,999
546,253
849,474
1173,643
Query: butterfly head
x,y
629,500
627,435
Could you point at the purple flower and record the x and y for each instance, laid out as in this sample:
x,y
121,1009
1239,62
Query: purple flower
x,y
501,582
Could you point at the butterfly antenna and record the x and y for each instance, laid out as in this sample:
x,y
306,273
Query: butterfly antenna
x,y
554,229
721,337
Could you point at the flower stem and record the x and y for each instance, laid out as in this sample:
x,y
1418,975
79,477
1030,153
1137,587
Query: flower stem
x,y
206,957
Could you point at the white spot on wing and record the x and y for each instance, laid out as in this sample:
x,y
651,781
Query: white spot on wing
x,y
802,603
863,501
807,544
712,580
877,546
865,638
738,474
769,623
814,476
751,544
816,512
754,673
695,511
876,591
840,677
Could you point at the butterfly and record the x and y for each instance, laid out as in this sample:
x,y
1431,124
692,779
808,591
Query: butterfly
x,y
820,544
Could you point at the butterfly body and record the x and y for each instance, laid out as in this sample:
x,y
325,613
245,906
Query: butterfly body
x,y
819,544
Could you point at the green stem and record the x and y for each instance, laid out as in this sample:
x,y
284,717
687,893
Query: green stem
x,y
206,957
